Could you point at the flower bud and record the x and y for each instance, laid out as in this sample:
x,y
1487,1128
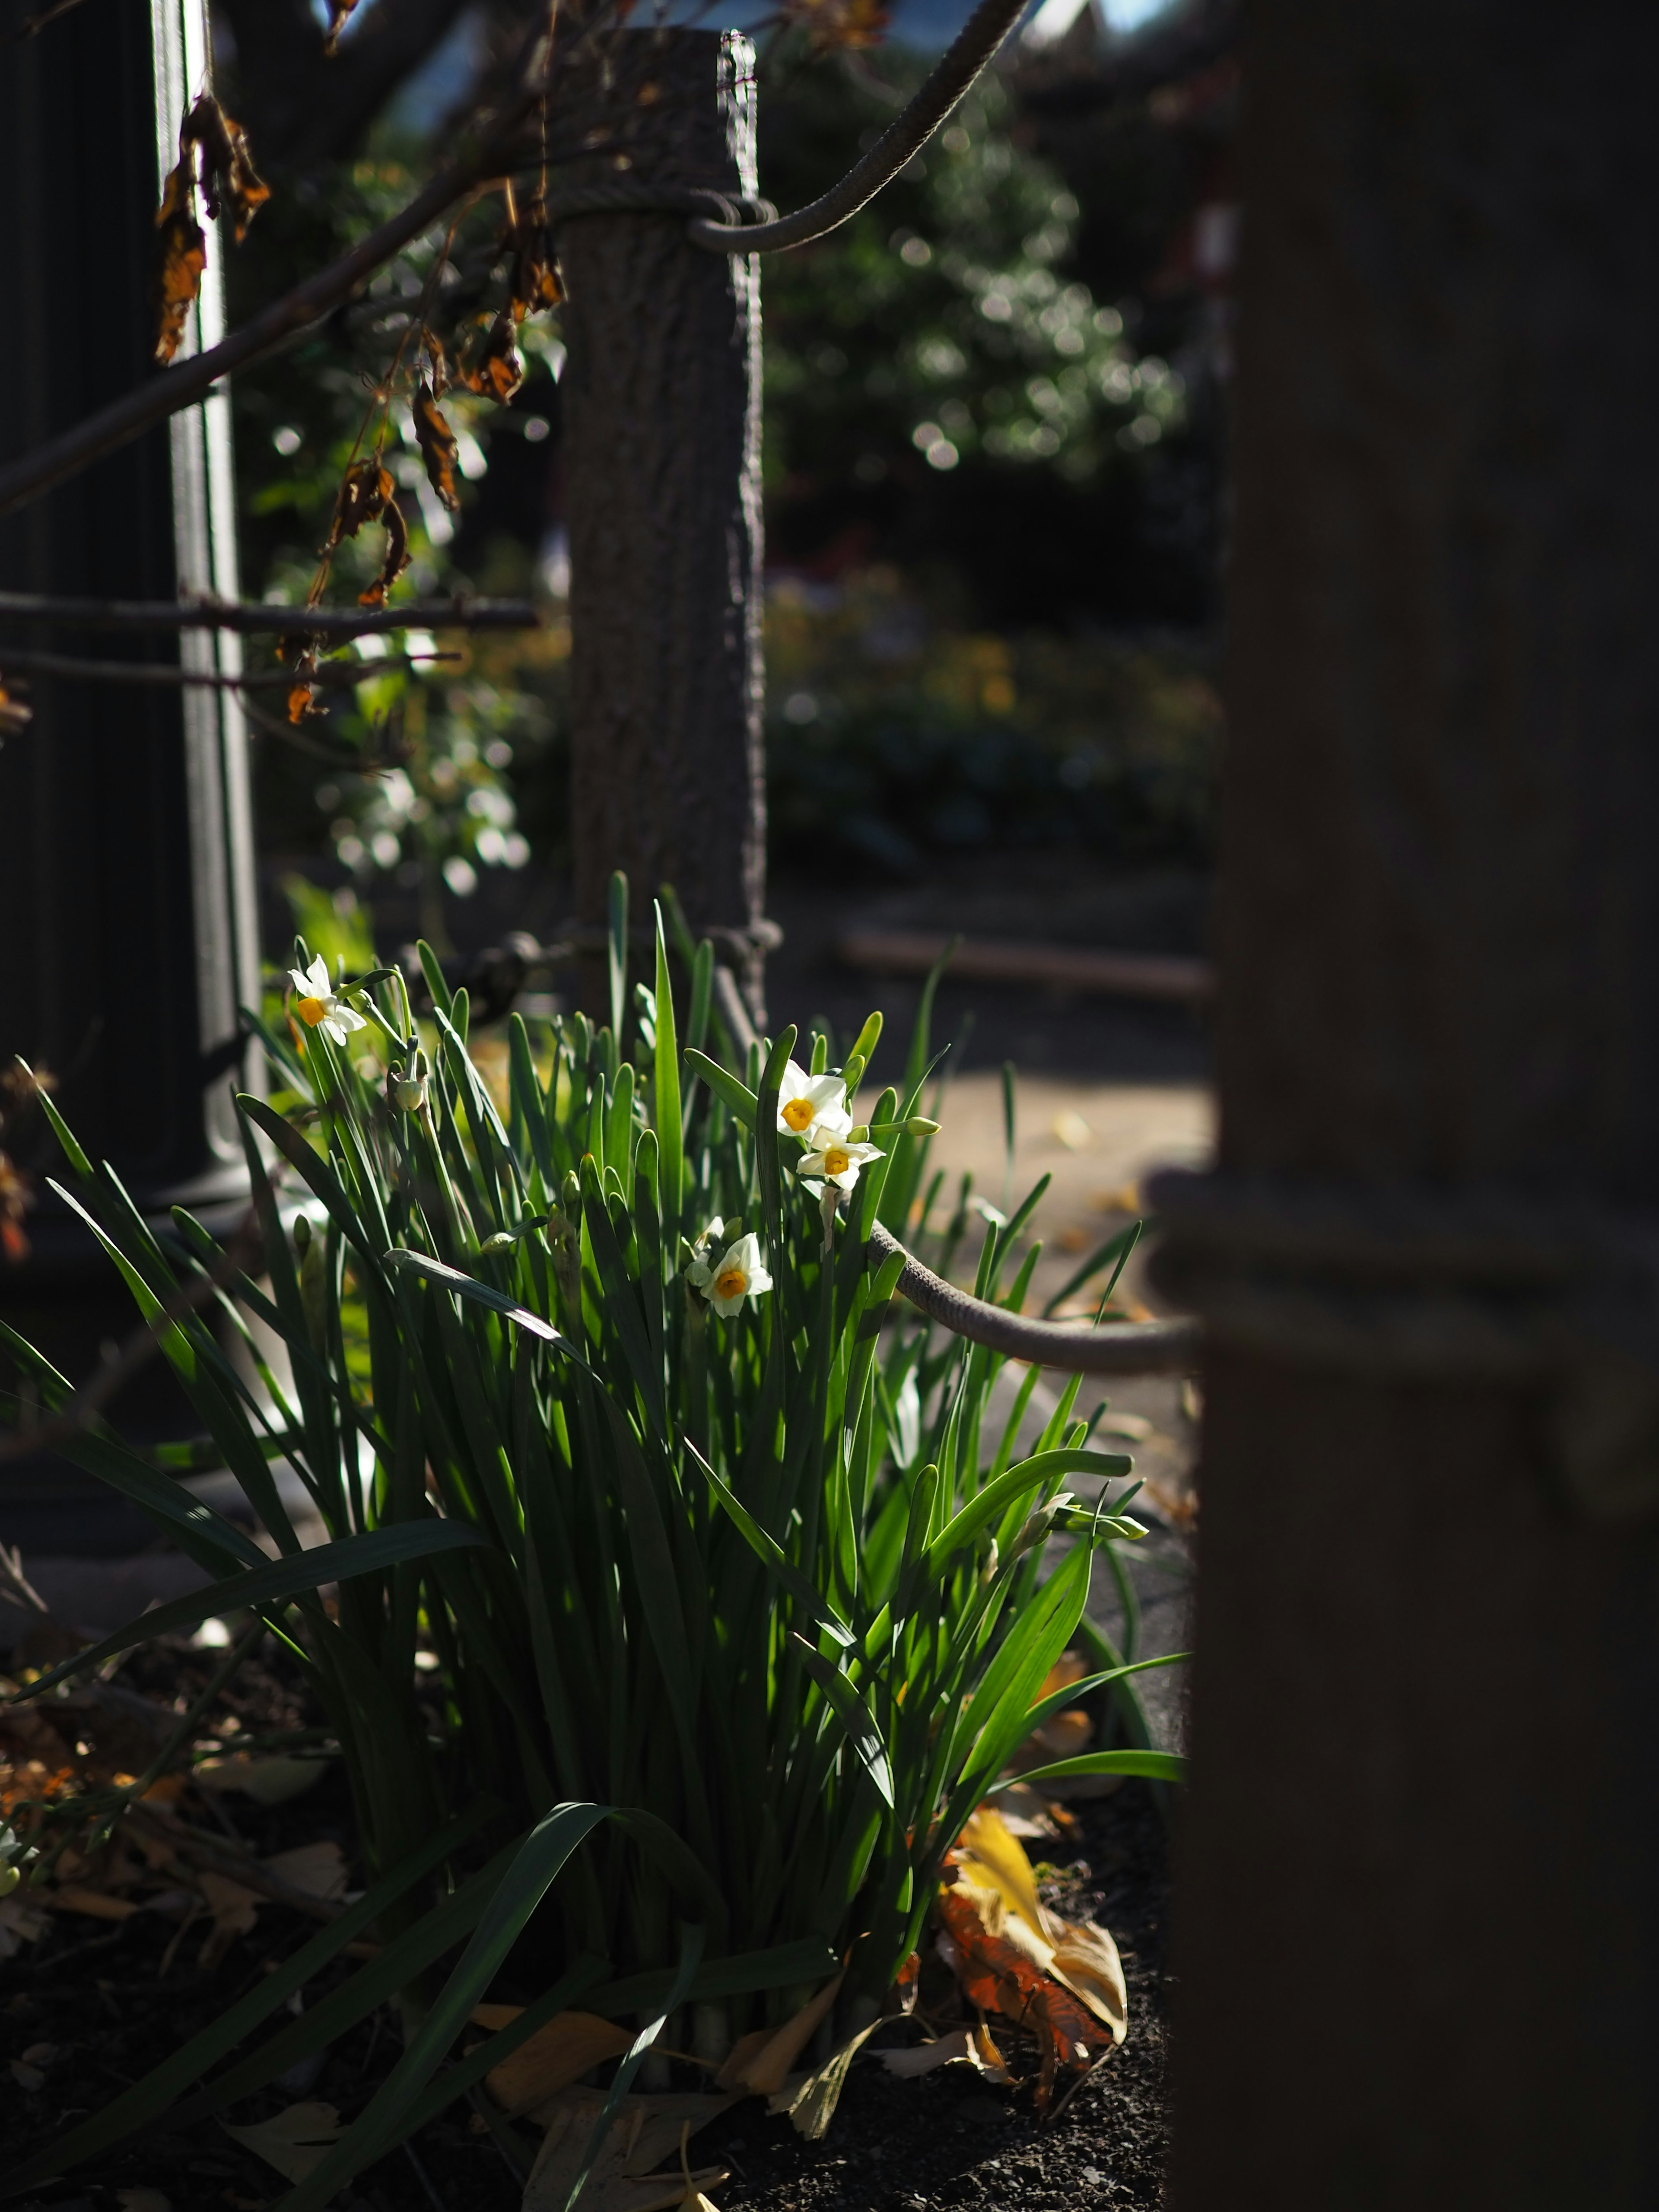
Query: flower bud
x,y
503,1241
920,1126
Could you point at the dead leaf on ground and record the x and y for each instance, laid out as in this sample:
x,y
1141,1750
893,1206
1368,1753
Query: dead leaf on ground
x,y
1061,1980
22,1920
296,2141
438,445
809,2100
554,2058
317,1869
95,1904
143,2200
269,1781
760,2062
234,1912
646,2130
965,2046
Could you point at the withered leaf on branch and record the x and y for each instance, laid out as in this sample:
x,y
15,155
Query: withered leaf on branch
x,y
396,556
836,25
535,275
181,254
340,13
437,444
364,490
302,692
498,371
14,716
230,179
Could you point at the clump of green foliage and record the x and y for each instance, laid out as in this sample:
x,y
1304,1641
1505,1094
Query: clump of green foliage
x,y
729,1602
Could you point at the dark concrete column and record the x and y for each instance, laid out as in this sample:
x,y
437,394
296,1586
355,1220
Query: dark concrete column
x,y
126,880
661,427
1419,1908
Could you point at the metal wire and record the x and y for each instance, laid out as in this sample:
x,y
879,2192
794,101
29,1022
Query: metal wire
x,y
973,46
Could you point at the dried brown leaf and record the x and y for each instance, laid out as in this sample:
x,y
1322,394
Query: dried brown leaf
x,y
234,1910
761,2071
396,556
809,2100
437,443
296,2141
644,2130
317,1869
966,2047
181,255
555,2056
836,25
230,179
22,1920
340,14
270,1781
535,284
15,714
364,490
498,371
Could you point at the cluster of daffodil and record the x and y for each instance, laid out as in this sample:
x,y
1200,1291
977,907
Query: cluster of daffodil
x,y
759,1609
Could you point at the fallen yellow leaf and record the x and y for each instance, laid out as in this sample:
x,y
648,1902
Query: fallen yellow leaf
x,y
761,2070
317,1869
294,2142
552,2058
96,1904
644,2130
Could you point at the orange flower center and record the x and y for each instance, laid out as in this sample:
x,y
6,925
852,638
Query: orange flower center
x,y
311,1011
798,1114
836,1162
731,1283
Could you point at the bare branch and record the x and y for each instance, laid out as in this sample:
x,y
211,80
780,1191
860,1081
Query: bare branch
x,y
460,613
327,672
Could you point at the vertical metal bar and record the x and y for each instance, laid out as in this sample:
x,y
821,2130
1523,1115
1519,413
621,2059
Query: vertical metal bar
x,y
127,880
661,409
1417,1919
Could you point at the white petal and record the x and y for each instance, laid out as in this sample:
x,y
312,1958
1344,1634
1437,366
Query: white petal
x,y
832,1121
700,1274
727,1307
316,977
847,1178
348,1017
301,982
759,1281
794,1082
331,1030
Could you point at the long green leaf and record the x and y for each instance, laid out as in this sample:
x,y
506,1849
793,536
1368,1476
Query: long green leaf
x,y
1149,1765
537,1864
278,1579
469,1286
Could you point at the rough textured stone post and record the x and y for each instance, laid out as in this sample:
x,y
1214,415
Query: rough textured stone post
x,y
1417,1918
661,411
126,875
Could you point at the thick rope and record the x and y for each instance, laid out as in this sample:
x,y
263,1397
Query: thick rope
x,y
1149,1348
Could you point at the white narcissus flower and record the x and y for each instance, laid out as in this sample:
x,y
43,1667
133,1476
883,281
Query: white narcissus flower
x,y
837,1160
318,1006
812,1106
738,1274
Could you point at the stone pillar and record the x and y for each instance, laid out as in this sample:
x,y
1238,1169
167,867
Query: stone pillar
x,y
127,886
661,426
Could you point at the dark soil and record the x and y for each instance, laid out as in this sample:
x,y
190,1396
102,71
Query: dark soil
x,y
91,2007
